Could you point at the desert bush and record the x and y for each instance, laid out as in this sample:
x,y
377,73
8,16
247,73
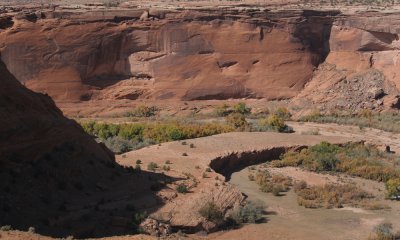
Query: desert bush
x,y
138,161
384,231
250,213
182,188
273,123
222,110
330,195
211,212
393,188
273,183
6,228
283,113
166,168
152,166
142,111
118,145
237,121
299,185
241,108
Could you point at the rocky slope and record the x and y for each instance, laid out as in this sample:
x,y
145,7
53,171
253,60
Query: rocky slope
x,y
56,178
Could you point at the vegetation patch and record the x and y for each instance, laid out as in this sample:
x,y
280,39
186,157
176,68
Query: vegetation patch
x,y
385,121
249,213
384,231
355,159
273,183
211,212
121,138
329,195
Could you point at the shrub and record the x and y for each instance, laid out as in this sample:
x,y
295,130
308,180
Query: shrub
x,y
132,131
241,108
142,111
152,166
274,183
384,231
331,195
211,212
191,145
118,145
274,123
168,162
166,168
184,154
222,110
250,213
181,188
137,167
138,161
300,185
237,121
6,228
393,188
283,113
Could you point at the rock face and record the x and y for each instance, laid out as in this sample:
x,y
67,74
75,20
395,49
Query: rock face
x,y
56,178
184,55
197,54
361,70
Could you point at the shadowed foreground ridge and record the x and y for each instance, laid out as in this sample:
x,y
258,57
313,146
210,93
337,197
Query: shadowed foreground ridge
x,y
56,178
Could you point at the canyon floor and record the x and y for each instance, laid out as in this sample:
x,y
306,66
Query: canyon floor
x,y
284,219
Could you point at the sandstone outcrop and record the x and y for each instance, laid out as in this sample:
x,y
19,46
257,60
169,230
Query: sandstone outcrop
x,y
197,53
56,178
184,55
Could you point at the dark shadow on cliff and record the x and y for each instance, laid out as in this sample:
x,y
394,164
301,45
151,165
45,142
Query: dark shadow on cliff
x,y
56,178
314,32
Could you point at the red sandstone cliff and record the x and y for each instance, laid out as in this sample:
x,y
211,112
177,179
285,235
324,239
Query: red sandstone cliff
x,y
205,53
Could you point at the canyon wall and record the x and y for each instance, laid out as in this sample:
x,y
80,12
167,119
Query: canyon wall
x,y
201,54
56,178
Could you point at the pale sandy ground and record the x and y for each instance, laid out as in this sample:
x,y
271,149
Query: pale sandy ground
x,y
287,220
